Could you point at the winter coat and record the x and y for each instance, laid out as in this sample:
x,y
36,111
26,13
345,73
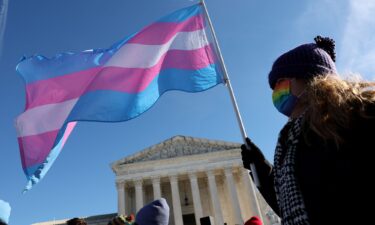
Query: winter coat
x,y
335,181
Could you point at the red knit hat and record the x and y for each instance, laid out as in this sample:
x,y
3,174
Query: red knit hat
x,y
254,221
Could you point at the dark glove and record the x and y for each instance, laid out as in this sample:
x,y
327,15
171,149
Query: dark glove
x,y
250,154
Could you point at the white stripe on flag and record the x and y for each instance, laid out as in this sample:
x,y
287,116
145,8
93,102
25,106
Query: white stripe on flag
x,y
145,56
44,118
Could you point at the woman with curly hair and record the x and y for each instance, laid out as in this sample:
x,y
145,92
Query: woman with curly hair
x,y
320,173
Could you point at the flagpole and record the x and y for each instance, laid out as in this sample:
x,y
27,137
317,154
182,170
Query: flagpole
x,y
231,93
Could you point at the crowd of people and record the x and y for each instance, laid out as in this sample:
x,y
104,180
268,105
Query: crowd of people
x,y
322,152
156,212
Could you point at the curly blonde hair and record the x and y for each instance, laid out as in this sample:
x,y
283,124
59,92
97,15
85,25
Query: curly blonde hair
x,y
333,103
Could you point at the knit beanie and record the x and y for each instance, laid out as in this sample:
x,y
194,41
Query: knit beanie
x,y
4,211
253,221
305,61
154,213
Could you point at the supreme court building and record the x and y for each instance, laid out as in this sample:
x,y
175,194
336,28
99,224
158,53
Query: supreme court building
x,y
198,178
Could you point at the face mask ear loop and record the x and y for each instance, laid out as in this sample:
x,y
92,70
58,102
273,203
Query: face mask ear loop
x,y
301,94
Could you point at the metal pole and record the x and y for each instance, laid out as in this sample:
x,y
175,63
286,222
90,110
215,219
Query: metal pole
x,y
228,84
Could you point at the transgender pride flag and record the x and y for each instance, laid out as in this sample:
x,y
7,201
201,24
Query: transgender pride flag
x,y
114,84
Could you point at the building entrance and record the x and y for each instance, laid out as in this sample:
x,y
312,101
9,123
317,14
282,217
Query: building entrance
x,y
189,219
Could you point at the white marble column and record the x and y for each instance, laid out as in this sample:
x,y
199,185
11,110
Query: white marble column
x,y
120,197
236,209
176,200
138,193
156,186
196,197
250,188
219,220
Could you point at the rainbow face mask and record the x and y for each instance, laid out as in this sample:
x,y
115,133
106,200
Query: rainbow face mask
x,y
283,99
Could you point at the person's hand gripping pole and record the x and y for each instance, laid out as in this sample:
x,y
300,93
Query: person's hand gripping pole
x,y
250,155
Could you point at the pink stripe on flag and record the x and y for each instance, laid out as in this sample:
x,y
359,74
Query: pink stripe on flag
x,y
38,147
68,131
161,32
136,80
130,80
59,89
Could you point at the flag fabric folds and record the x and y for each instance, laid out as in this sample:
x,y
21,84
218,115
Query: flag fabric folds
x,y
111,85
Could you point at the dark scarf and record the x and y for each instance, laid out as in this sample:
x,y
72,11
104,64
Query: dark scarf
x,y
288,194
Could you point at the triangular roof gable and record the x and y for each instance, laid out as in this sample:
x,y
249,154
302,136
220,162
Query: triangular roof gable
x,y
178,146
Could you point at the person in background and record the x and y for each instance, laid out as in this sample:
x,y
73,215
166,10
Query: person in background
x,y
129,219
154,213
4,212
321,170
118,220
76,221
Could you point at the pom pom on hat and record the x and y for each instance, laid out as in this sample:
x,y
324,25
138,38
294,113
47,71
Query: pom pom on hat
x,y
305,61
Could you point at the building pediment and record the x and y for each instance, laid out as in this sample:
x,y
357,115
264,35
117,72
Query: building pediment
x,y
177,146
